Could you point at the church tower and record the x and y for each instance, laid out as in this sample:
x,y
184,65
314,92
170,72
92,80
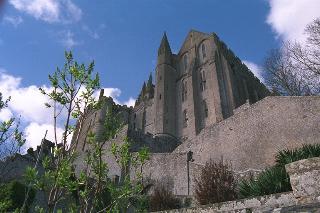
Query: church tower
x,y
165,91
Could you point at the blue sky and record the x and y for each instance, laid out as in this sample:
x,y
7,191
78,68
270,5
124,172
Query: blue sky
x,y
123,36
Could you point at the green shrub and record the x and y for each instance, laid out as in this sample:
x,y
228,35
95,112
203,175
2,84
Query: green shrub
x,y
275,179
271,181
306,151
216,183
12,196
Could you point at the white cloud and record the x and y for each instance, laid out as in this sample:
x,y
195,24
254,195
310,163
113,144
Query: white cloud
x,y
93,34
5,114
130,102
35,132
8,82
14,20
115,93
72,11
28,103
50,11
25,101
288,18
112,92
256,69
67,39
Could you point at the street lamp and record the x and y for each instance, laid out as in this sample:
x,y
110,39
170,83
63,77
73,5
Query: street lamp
x,y
189,158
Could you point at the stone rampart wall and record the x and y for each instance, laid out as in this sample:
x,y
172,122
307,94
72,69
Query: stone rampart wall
x,y
304,178
171,169
263,203
251,138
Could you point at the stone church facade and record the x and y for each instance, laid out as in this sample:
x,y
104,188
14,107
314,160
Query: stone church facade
x,y
205,101
199,86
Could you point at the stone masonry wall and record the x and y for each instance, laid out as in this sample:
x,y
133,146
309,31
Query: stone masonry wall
x,y
304,178
252,137
249,139
171,169
256,204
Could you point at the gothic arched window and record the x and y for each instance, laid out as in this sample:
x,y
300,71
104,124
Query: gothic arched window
x,y
203,81
203,50
184,90
185,62
185,118
205,108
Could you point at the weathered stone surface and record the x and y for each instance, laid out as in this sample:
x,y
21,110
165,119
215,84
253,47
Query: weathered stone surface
x,y
305,181
305,178
252,137
204,70
257,204
249,139
246,135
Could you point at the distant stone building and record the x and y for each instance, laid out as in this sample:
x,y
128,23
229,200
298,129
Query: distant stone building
x,y
195,88
205,101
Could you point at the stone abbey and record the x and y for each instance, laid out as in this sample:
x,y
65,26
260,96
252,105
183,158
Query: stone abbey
x,y
204,101
204,104
203,84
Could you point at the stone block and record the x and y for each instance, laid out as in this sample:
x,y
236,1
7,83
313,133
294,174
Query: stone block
x,y
305,178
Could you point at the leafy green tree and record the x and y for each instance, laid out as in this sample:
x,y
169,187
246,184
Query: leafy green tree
x,y
72,92
91,190
11,139
12,196
122,195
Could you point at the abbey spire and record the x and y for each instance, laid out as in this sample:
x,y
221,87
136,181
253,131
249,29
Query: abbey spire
x,y
164,46
164,52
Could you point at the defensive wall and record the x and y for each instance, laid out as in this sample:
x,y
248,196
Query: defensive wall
x,y
305,197
249,140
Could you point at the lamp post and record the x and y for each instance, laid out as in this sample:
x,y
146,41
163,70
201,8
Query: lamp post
x,y
189,158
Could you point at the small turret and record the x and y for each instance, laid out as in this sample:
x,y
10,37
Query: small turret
x,y
147,91
150,87
101,94
149,84
164,46
165,91
144,89
164,52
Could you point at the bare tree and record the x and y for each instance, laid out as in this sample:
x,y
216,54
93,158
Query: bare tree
x,y
283,76
308,55
294,69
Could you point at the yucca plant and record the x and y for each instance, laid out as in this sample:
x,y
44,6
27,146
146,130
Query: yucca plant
x,y
306,151
272,180
275,179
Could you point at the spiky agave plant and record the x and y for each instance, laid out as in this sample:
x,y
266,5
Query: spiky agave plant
x,y
272,180
306,151
275,179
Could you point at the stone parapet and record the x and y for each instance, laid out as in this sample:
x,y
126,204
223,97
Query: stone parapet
x,y
305,179
305,182
256,204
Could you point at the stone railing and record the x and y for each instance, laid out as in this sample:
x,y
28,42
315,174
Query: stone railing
x,y
305,197
305,179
